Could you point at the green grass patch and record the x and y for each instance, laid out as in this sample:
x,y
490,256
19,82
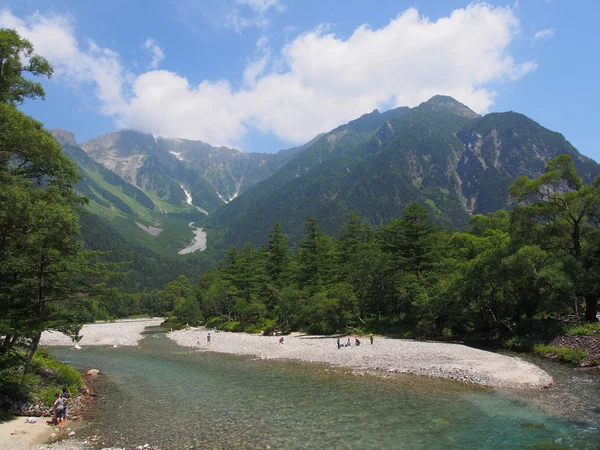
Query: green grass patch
x,y
583,329
571,355
44,379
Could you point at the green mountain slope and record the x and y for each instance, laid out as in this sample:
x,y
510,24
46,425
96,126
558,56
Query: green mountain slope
x,y
285,192
126,209
440,154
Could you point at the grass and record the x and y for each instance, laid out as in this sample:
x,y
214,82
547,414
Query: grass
x,y
584,329
44,379
571,355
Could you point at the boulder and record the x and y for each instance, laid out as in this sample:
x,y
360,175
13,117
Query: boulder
x,y
92,372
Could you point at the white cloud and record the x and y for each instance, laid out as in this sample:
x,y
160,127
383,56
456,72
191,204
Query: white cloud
x,y
317,81
238,18
53,37
156,52
547,33
262,6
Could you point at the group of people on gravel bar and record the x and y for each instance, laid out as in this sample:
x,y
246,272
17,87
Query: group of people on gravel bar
x,y
349,343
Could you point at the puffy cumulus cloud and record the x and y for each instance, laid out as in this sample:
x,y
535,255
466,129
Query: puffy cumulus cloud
x,y
319,79
155,51
54,38
547,33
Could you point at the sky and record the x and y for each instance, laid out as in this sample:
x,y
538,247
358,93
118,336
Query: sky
x,y
265,75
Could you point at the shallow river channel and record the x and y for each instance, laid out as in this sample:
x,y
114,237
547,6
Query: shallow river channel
x,y
174,398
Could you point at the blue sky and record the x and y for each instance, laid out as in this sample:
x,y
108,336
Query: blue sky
x,y
263,75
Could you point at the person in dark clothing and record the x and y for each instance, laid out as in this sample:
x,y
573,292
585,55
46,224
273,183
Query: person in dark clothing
x,y
59,410
66,394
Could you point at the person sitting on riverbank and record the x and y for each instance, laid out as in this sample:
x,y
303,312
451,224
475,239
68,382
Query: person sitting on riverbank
x,y
281,340
348,344
356,342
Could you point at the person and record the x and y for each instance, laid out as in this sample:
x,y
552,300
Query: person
x,y
348,344
59,410
208,339
197,340
339,343
281,340
356,342
66,395
371,338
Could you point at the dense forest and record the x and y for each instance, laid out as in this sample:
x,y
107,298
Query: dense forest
x,y
409,277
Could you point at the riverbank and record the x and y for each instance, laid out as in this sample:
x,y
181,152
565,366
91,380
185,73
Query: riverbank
x,y
432,359
118,332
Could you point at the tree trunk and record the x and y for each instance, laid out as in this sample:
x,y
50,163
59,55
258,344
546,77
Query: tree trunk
x,y
591,304
32,348
41,310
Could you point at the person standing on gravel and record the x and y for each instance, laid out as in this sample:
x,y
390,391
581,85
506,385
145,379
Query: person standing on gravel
x,y
66,396
339,344
59,410
371,338
208,339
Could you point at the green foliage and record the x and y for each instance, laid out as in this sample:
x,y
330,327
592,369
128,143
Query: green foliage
x,y
17,60
520,344
585,329
572,355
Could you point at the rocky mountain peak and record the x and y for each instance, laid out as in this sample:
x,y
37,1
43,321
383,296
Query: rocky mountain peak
x,y
64,137
449,103
124,143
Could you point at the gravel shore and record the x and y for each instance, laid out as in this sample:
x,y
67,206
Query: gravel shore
x,y
433,359
118,332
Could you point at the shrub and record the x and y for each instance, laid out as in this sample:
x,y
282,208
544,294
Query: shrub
x,y
572,355
232,326
584,329
214,322
18,386
519,344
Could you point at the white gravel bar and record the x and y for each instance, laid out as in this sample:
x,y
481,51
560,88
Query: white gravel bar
x,y
118,332
433,359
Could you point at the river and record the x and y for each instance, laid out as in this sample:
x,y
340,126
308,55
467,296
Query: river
x,y
174,398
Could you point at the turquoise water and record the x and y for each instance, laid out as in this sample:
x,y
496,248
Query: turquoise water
x,y
172,398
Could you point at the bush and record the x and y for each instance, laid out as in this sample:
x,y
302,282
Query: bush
x,y
584,329
18,386
214,322
232,326
519,344
572,355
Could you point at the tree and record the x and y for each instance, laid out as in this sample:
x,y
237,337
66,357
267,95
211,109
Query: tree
x,y
16,59
44,271
559,210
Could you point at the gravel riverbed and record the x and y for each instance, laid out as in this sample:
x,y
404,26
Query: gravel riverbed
x,y
433,359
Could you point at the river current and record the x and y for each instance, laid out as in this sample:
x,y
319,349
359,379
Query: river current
x,y
173,398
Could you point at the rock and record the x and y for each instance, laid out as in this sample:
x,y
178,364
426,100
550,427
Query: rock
x,y
72,433
77,347
92,372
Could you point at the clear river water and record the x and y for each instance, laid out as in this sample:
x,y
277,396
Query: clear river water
x,y
173,398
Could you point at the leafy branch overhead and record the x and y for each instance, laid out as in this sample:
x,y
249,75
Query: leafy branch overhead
x,y
16,61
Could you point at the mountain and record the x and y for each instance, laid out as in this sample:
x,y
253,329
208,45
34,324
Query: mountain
x,y
166,168
149,190
440,154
